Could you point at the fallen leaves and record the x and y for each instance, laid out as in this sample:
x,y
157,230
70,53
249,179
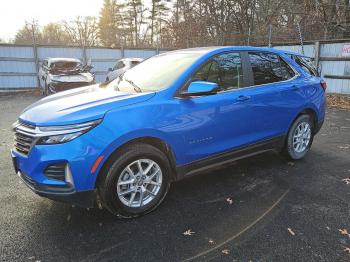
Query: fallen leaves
x,y
225,252
346,180
338,101
188,232
291,231
344,232
229,200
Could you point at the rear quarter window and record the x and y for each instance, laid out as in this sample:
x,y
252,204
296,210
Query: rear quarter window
x,y
269,68
306,64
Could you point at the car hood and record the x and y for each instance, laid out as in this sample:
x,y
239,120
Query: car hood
x,y
72,78
78,105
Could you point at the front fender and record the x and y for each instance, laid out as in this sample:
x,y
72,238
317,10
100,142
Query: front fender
x,y
128,137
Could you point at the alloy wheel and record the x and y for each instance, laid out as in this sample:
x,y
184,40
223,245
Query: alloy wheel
x,y
139,183
301,137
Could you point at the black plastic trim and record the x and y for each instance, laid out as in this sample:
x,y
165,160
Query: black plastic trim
x,y
66,193
273,144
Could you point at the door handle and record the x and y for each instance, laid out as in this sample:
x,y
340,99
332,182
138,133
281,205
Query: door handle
x,y
242,98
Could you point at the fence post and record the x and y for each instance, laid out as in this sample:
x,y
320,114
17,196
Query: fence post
x,y
36,59
122,51
85,55
317,53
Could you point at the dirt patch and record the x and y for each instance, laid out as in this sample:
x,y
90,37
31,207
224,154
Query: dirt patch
x,y
338,101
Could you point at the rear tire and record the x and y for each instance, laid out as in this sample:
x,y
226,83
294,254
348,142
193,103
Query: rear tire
x,y
300,138
126,191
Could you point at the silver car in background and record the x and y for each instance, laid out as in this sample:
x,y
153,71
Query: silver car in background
x,y
121,66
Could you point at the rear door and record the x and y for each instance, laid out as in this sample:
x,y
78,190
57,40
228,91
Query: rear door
x,y
276,92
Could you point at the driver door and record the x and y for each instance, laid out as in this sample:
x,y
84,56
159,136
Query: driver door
x,y
220,122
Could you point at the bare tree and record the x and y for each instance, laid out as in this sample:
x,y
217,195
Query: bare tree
x,y
29,34
83,31
54,33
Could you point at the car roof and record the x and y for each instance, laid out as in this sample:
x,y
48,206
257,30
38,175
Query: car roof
x,y
62,59
217,49
293,53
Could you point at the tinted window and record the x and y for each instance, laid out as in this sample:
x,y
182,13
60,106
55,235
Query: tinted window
x,y
269,68
306,64
119,65
224,69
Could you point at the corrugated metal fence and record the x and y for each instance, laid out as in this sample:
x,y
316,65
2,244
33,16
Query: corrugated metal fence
x,y
335,68
18,67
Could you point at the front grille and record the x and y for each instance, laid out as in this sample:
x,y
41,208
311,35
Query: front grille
x,y
56,172
24,137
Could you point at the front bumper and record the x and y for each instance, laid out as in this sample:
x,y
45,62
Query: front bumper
x,y
62,193
77,186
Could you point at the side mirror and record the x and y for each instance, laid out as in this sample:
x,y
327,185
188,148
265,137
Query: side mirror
x,y
110,69
198,88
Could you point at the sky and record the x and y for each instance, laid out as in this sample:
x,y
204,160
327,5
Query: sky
x,y
14,13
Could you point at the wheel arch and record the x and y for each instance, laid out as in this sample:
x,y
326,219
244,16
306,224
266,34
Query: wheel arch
x,y
150,140
306,111
311,112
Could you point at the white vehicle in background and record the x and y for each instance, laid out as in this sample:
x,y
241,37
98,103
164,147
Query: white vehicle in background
x,y
121,66
59,74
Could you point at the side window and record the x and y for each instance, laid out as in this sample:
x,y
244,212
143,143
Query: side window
x,y
119,65
306,64
224,69
269,68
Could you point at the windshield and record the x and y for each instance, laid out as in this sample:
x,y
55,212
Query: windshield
x,y
65,67
154,74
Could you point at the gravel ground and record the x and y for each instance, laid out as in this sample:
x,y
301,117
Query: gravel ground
x,y
259,209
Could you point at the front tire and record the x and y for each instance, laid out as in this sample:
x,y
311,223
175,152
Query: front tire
x,y
135,181
300,138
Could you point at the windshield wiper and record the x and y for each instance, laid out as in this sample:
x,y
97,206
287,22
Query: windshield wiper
x,y
136,88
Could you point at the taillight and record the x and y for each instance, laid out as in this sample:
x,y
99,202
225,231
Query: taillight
x,y
324,85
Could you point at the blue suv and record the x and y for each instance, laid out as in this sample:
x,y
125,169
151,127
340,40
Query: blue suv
x,y
122,143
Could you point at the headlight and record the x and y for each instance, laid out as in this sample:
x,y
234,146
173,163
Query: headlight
x,y
61,134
